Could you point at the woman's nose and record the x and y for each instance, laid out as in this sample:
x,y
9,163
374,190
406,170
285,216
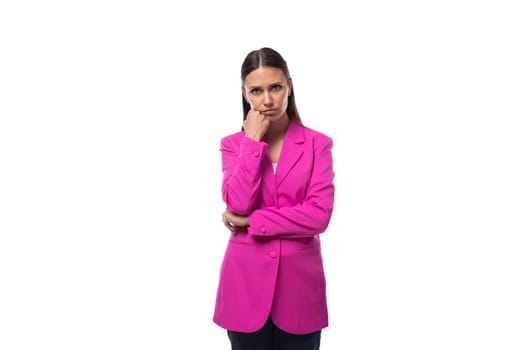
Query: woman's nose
x,y
267,99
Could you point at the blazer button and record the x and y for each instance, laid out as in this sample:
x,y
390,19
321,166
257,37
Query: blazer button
x,y
263,229
273,254
256,154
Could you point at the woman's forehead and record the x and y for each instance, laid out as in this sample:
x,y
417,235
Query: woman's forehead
x,y
265,75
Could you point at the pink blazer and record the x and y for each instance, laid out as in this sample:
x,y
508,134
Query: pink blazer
x,y
275,265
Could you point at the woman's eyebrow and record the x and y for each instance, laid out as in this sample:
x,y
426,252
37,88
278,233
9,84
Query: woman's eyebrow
x,y
271,84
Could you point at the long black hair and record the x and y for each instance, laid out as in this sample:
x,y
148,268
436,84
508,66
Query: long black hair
x,y
267,57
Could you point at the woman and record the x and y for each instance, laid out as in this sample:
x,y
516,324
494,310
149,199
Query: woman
x,y
279,193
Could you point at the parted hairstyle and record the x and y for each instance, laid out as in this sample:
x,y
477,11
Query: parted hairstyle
x,y
267,57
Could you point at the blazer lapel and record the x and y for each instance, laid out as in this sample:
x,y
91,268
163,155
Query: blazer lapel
x,y
291,151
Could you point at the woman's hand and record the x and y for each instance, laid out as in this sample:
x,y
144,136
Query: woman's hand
x,y
232,220
255,125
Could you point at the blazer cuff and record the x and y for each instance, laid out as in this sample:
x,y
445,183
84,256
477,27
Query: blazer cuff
x,y
257,226
252,148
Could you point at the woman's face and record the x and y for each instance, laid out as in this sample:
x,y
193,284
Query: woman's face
x,y
266,89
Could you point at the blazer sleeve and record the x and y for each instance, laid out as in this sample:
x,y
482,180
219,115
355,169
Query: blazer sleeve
x,y
312,216
242,173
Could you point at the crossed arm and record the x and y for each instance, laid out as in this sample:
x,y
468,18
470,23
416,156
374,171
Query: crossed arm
x,y
240,191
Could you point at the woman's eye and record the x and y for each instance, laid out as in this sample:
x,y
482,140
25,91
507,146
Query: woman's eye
x,y
255,91
276,87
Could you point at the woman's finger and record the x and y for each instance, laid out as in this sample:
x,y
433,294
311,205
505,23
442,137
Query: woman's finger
x,y
228,224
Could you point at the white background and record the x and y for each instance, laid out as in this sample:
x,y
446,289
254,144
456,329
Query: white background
x,y
111,115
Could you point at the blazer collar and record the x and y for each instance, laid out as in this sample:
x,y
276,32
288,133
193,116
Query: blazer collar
x,y
291,151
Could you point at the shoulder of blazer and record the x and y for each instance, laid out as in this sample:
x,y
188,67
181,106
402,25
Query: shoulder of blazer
x,y
315,136
233,139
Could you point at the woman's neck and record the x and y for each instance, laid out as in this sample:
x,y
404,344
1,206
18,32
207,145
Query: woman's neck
x,y
277,129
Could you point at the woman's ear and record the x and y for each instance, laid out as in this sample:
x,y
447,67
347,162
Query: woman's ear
x,y
245,98
290,87
244,95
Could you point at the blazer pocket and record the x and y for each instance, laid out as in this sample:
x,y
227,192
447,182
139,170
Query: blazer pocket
x,y
239,241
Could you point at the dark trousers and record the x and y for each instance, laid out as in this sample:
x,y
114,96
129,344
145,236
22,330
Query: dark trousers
x,y
272,338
